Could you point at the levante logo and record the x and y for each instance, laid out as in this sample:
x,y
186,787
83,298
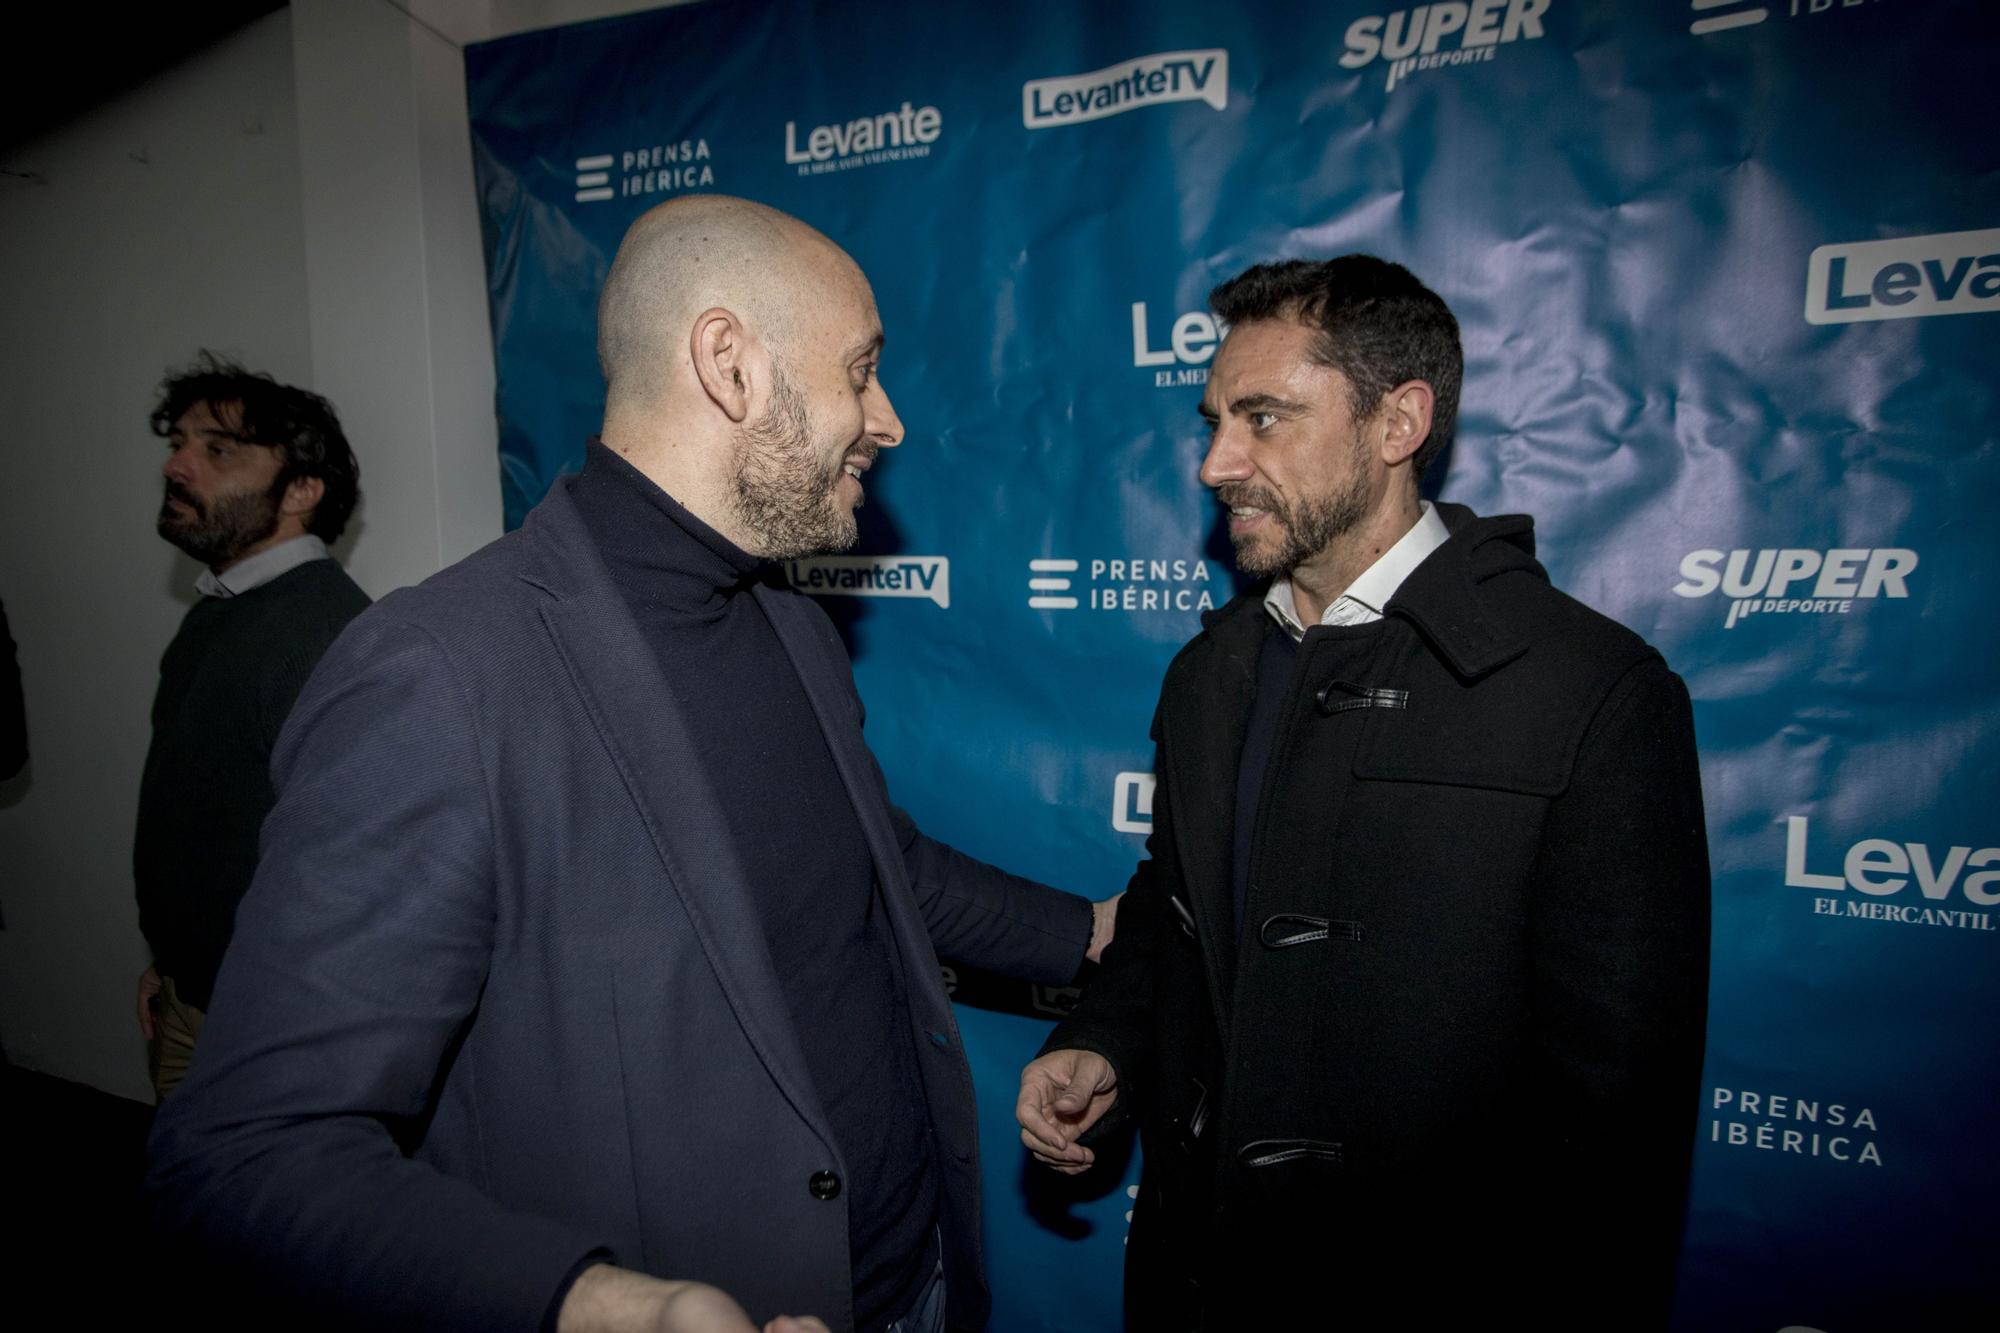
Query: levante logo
x,y
1953,885
1433,36
1170,76
1182,354
889,136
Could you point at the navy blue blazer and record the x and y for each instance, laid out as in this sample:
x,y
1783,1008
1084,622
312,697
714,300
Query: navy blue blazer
x,y
499,998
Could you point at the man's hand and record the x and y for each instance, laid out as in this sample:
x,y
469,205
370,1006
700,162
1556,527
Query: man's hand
x,y
149,990
604,1299
1103,924
1063,1094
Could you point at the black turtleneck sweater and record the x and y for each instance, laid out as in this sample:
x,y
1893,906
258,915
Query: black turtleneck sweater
x,y
795,832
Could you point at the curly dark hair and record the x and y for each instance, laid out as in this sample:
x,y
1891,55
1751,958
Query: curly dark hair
x,y
1377,325
298,423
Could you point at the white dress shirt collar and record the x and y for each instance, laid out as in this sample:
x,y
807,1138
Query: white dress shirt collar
x,y
1366,596
257,570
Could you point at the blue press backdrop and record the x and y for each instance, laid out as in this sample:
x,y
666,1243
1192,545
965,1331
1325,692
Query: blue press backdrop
x,y
1709,260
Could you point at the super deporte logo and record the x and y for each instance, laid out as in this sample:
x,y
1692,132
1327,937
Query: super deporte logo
x,y
1155,80
1796,580
888,136
1433,36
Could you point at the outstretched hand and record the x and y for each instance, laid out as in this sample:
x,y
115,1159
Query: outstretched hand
x,y
1063,1094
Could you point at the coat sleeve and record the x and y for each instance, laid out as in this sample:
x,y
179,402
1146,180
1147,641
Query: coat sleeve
x,y
357,965
1619,922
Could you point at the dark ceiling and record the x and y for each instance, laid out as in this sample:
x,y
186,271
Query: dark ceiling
x,y
69,58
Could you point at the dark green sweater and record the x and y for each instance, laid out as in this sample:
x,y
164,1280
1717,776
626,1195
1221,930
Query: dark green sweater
x,y
227,683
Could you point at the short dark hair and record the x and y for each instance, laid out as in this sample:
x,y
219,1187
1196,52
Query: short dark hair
x,y
1377,325
298,423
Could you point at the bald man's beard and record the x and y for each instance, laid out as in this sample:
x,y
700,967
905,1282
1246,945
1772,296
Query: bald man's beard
x,y
785,489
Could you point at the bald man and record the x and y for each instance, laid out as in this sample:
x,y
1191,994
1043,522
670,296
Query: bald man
x,y
589,979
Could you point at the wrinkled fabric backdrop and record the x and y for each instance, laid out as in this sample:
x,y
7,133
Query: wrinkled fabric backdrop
x,y
1727,275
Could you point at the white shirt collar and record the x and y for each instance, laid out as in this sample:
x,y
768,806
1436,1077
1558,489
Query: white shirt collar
x,y
1366,596
257,570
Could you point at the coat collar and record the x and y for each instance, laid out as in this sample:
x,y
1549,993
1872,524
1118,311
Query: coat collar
x,y
1442,597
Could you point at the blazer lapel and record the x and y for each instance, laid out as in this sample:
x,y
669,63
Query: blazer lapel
x,y
639,723
821,661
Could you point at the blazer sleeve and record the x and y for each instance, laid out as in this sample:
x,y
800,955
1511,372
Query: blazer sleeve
x,y
357,964
979,914
1619,942
975,913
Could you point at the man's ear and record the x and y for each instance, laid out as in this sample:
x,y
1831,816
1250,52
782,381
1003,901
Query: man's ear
x,y
722,361
1406,420
302,496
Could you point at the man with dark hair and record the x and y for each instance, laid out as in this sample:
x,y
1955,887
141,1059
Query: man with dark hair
x,y
1408,998
259,478
590,979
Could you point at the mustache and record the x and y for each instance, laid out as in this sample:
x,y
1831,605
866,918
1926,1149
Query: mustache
x,y
176,491
1234,494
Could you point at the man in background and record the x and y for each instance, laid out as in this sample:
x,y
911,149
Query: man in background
x,y
1409,994
259,480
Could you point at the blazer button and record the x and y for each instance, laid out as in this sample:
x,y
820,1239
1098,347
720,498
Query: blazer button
x,y
824,1185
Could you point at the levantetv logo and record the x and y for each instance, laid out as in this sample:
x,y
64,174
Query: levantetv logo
x,y
1950,273
1170,76
1771,582
925,576
1132,802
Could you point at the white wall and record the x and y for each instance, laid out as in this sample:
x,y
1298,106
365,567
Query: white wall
x,y
162,224
300,196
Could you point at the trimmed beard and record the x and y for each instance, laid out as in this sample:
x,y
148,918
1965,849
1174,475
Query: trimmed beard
x,y
782,489
1310,526
221,532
